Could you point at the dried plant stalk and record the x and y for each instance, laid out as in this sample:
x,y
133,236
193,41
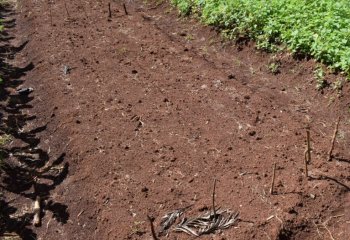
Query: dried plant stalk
x,y
214,211
273,179
308,146
333,140
109,11
305,164
125,11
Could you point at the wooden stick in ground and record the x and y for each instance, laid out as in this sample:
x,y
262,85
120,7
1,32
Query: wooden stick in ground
x,y
65,6
126,12
333,140
49,2
109,11
214,211
308,146
154,235
305,163
36,211
273,179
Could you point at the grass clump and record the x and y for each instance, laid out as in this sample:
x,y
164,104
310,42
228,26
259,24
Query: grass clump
x,y
317,28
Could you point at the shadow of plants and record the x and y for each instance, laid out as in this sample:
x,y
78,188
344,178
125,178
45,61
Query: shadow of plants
x,y
26,170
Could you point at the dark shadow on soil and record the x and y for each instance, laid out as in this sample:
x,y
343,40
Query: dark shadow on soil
x,y
26,170
342,159
324,177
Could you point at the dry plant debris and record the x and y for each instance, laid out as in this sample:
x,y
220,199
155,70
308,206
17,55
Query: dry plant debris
x,y
207,223
169,219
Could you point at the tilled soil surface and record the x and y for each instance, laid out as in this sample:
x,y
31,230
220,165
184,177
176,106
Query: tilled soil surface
x,y
144,110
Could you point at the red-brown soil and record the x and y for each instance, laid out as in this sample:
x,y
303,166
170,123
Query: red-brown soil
x,y
155,107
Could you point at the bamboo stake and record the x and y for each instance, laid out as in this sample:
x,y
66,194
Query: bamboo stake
x,y
65,6
214,211
126,12
333,140
308,147
273,179
49,2
109,11
305,163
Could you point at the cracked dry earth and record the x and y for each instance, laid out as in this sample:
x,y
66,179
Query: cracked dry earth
x,y
152,107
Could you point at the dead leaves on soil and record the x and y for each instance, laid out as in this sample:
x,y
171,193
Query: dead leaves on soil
x,y
203,224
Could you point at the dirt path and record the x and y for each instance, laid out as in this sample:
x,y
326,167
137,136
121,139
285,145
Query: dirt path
x,y
151,108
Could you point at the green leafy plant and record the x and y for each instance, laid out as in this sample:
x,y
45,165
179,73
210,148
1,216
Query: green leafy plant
x,y
321,82
274,67
338,85
185,7
317,28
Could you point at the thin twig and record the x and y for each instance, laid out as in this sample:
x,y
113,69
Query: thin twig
x,y
307,158
214,211
273,179
333,140
305,164
109,11
49,2
154,235
65,6
317,229
308,147
126,12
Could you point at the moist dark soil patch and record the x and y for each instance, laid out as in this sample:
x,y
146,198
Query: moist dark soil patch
x,y
149,100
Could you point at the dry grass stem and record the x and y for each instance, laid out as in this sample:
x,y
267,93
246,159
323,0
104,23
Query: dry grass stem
x,y
273,179
214,211
333,140
109,11
65,6
305,164
308,147
324,225
125,11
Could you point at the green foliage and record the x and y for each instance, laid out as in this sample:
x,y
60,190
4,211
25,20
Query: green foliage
x,y
321,82
185,7
274,65
318,28
338,85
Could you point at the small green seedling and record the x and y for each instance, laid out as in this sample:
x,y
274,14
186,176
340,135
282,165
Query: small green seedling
x,y
321,82
274,67
338,85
